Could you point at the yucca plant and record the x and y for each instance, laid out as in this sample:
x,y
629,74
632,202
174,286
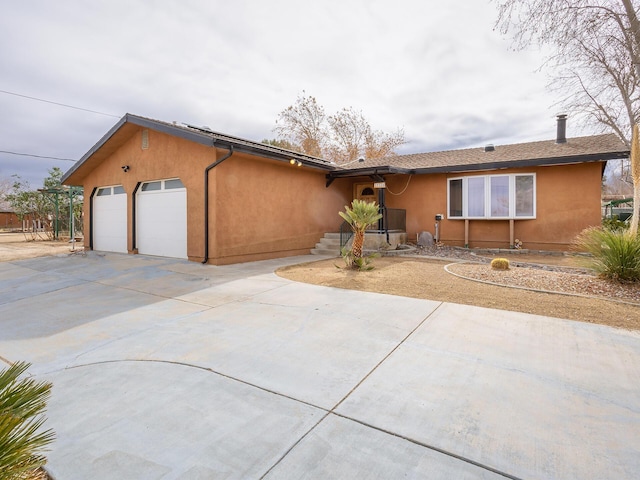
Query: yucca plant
x,y
22,405
616,253
361,215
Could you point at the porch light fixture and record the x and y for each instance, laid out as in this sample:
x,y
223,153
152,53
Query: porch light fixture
x,y
292,161
125,168
299,163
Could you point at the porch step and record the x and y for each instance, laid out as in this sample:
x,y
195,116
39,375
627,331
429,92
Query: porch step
x,y
328,245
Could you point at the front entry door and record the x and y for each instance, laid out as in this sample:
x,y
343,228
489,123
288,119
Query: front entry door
x,y
366,192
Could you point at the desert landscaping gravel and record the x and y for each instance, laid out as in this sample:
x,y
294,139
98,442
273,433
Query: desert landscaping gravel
x,y
550,281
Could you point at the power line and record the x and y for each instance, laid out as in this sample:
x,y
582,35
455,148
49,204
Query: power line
x,y
59,104
38,156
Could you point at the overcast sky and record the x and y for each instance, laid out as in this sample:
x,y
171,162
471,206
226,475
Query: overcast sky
x,y
436,69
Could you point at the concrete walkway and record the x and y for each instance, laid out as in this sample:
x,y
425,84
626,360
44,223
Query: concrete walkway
x,y
165,369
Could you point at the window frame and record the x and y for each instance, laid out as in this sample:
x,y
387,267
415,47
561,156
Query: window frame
x,y
487,197
162,185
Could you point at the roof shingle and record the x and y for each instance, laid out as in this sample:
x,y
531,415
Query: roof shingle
x,y
588,148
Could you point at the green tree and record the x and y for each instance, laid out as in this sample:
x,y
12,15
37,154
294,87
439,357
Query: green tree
x,y
22,405
40,205
54,178
360,216
21,198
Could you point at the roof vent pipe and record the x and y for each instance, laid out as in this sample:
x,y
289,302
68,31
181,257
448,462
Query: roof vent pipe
x,y
561,136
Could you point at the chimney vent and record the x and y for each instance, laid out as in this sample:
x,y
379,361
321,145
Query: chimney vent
x,y
489,148
561,136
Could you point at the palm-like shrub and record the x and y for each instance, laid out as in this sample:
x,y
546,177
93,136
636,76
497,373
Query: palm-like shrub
x,y
360,216
616,253
22,404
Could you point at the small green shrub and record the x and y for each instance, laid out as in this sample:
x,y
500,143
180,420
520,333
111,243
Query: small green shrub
x,y
614,224
616,253
500,264
357,263
22,404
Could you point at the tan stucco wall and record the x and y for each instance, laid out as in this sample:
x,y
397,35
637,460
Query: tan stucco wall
x,y
166,157
568,200
261,208
258,208
266,209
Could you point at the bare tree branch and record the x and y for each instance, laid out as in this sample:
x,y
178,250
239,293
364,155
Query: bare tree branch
x,y
343,137
596,54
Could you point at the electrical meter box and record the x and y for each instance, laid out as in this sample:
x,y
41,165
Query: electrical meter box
x,y
439,216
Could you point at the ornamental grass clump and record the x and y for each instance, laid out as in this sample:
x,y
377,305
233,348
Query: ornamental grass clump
x,y
615,253
500,264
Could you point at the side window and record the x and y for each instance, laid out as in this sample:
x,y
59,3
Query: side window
x,y
475,197
499,196
455,198
525,196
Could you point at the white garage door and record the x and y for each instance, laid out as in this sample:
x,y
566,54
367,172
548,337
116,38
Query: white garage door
x,y
110,219
161,218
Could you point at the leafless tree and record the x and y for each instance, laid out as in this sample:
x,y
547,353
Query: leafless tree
x,y
343,137
303,125
595,55
352,137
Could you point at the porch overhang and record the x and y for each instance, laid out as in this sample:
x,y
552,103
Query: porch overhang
x,y
373,172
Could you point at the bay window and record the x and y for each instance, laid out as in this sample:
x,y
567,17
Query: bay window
x,y
492,196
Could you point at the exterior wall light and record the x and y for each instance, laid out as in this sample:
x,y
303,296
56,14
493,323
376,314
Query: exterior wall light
x,y
292,161
125,168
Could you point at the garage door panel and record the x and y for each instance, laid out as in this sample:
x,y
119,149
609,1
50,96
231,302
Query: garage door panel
x,y
110,220
162,222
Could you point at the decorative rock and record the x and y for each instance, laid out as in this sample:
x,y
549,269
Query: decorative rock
x,y
425,239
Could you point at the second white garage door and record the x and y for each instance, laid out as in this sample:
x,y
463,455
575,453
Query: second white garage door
x,y
161,218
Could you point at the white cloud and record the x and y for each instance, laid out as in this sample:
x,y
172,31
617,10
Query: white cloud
x,y
435,68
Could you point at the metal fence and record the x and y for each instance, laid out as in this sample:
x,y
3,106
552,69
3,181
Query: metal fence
x,y
393,219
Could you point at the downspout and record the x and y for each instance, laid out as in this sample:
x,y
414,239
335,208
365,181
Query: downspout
x,y
93,194
206,201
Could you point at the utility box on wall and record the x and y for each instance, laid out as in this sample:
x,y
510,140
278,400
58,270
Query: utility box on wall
x,y
439,216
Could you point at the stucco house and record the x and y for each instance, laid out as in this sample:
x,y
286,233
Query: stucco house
x,y
159,188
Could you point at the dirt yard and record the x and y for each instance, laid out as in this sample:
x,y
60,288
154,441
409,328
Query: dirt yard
x,y
427,278
17,246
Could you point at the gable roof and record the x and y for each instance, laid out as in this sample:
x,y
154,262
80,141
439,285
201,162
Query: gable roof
x,y
594,148
129,124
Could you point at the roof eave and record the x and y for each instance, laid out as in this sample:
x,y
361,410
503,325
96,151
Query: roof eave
x,y
203,138
532,162
368,171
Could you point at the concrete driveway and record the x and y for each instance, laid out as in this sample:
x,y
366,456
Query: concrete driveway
x,y
165,369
